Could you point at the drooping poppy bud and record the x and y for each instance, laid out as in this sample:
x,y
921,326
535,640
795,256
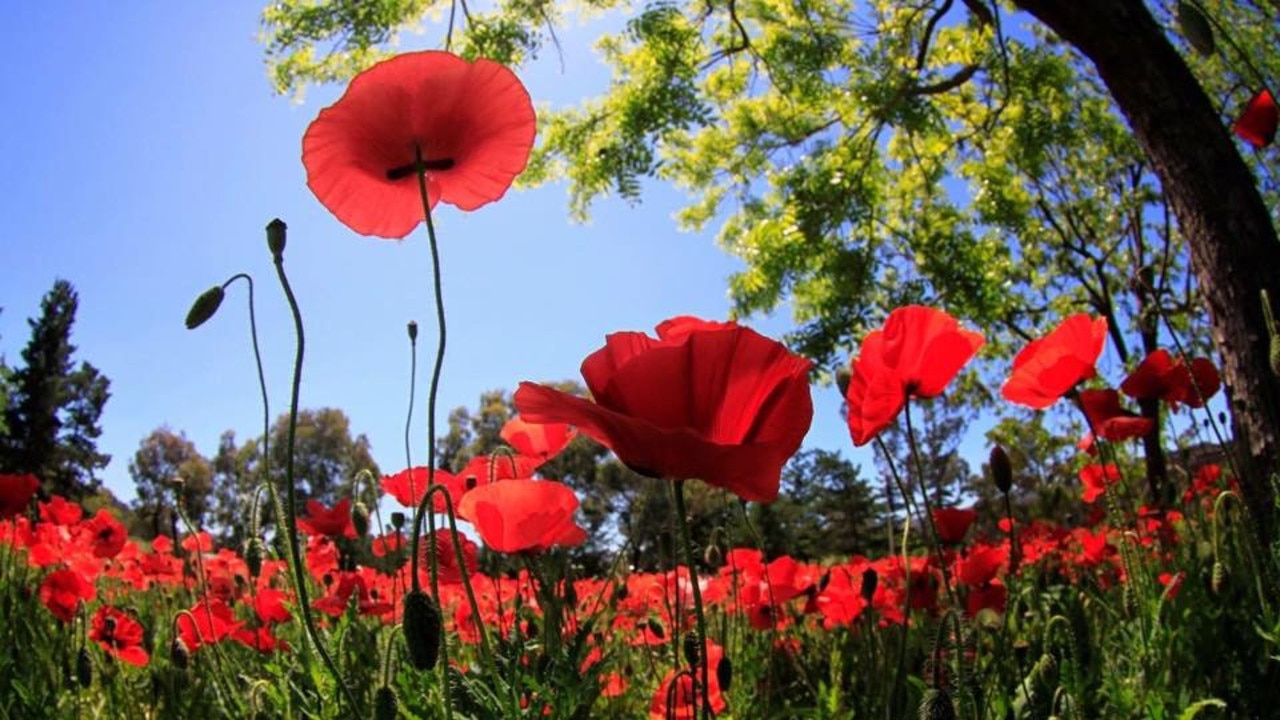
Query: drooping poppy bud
x,y
276,237
421,629
724,673
1195,28
253,552
360,518
179,655
385,704
1001,469
937,705
205,306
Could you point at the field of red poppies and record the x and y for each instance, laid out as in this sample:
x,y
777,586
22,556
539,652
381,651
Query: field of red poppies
x,y
1140,610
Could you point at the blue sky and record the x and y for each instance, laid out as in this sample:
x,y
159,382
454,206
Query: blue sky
x,y
145,152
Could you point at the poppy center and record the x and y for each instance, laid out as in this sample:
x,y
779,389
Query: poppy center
x,y
410,169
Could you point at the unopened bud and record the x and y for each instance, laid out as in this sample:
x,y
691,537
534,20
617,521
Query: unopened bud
x,y
179,655
1274,357
421,629
713,556
1195,28
205,306
1217,578
724,673
937,705
84,668
360,518
869,581
413,330
276,237
385,704
843,376
253,553
691,648
1001,469
397,520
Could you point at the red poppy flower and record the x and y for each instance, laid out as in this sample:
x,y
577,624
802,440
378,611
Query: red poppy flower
x,y
1160,377
15,493
712,401
680,702
1110,421
409,486
918,353
472,122
516,515
206,623
60,512
119,634
320,520
1048,368
447,569
269,605
1257,125
62,591
538,440
953,524
1096,478
107,536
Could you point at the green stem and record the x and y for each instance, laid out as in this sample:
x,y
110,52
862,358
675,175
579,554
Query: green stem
x,y
291,507
935,541
704,663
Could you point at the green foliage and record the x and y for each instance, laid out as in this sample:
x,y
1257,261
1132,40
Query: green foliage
x,y
52,411
170,476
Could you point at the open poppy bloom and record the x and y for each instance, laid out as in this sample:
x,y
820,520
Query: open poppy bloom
x,y
1096,479
62,591
320,520
119,634
1050,367
15,493
707,400
1160,377
1257,125
538,440
523,514
953,523
1110,421
917,353
469,126
676,697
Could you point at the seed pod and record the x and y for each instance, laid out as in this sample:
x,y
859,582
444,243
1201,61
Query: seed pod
x,y
253,552
385,706
360,518
205,306
276,237
413,330
1196,28
84,668
937,705
1001,469
421,629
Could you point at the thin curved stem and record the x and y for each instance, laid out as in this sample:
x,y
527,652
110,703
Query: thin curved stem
x,y
291,507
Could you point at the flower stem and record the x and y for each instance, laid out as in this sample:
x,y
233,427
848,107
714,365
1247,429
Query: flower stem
x,y
704,664
291,507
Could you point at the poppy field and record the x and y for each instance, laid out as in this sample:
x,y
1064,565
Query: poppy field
x,y
1133,610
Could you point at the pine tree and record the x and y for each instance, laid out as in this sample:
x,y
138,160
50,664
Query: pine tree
x,y
53,409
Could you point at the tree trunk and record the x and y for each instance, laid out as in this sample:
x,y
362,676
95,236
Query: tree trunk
x,y
1234,250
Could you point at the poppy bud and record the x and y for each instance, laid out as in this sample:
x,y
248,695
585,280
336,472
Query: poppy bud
x,y
179,655
869,581
1219,576
1195,28
713,556
691,648
570,594
656,628
843,376
84,668
360,518
397,520
205,306
1001,469
724,673
421,629
276,237
937,705
1275,354
413,330
384,704
253,551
